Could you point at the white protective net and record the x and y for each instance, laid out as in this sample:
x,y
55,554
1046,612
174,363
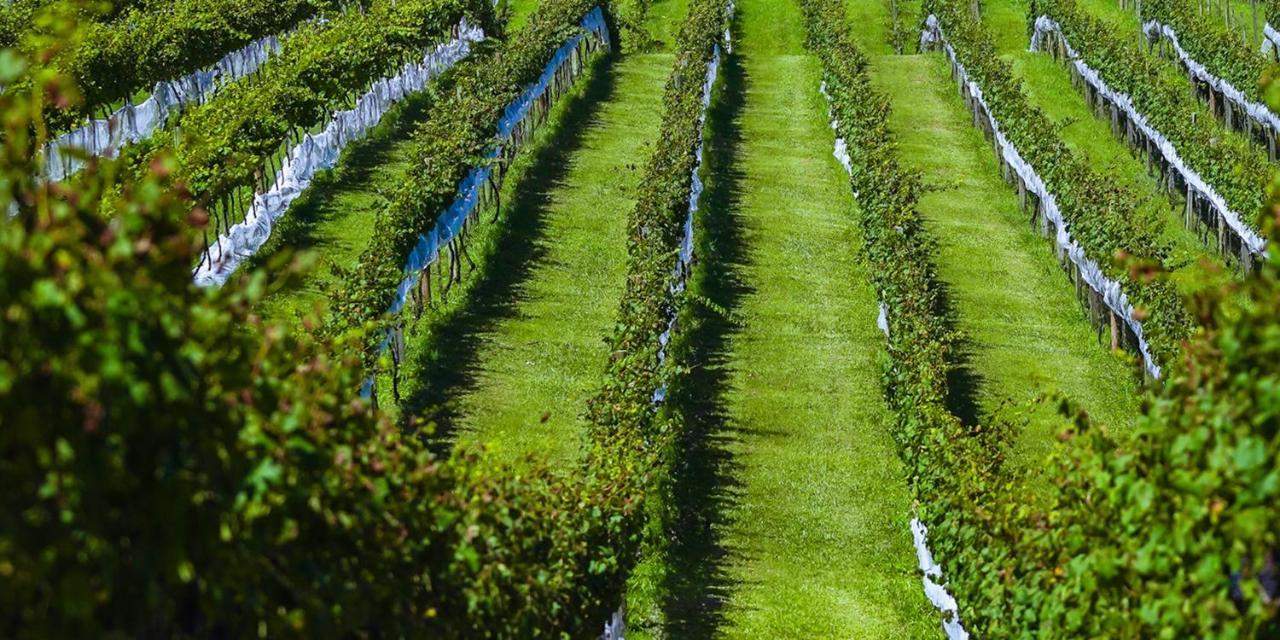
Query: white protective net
x,y
1249,238
1270,40
616,627
132,123
1110,291
321,151
933,584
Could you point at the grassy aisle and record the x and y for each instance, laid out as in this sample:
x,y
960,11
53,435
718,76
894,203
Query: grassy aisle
x,y
1024,332
514,357
334,218
815,536
1048,85
537,362
520,12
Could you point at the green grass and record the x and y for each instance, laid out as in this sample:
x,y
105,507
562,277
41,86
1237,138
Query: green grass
x,y
520,12
1048,85
794,499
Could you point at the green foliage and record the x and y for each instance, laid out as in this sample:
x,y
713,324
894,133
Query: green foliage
x,y
1103,217
174,467
1238,170
20,18
111,61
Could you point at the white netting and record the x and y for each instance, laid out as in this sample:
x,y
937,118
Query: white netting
x,y
1270,39
936,592
616,627
684,260
1255,110
1251,240
131,123
1109,290
321,151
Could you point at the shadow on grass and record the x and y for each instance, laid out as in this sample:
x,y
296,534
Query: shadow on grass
x,y
445,364
964,381
704,485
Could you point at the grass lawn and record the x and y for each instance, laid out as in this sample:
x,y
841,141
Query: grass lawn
x,y
512,366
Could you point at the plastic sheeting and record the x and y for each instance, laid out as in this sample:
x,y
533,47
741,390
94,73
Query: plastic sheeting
x,y
933,588
1255,243
1270,39
452,219
1111,292
615,628
1257,111
321,151
131,123
684,258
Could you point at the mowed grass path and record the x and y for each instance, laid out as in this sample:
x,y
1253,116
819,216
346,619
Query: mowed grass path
x,y
512,360
815,535
334,218
1048,85
533,371
1023,332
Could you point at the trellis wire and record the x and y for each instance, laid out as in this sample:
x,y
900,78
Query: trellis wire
x,y
1103,297
303,160
1205,207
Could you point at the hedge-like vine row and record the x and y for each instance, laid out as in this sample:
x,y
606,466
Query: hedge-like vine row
x,y
1232,174
931,441
1226,73
229,146
1098,220
19,17
631,428
147,44
227,140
